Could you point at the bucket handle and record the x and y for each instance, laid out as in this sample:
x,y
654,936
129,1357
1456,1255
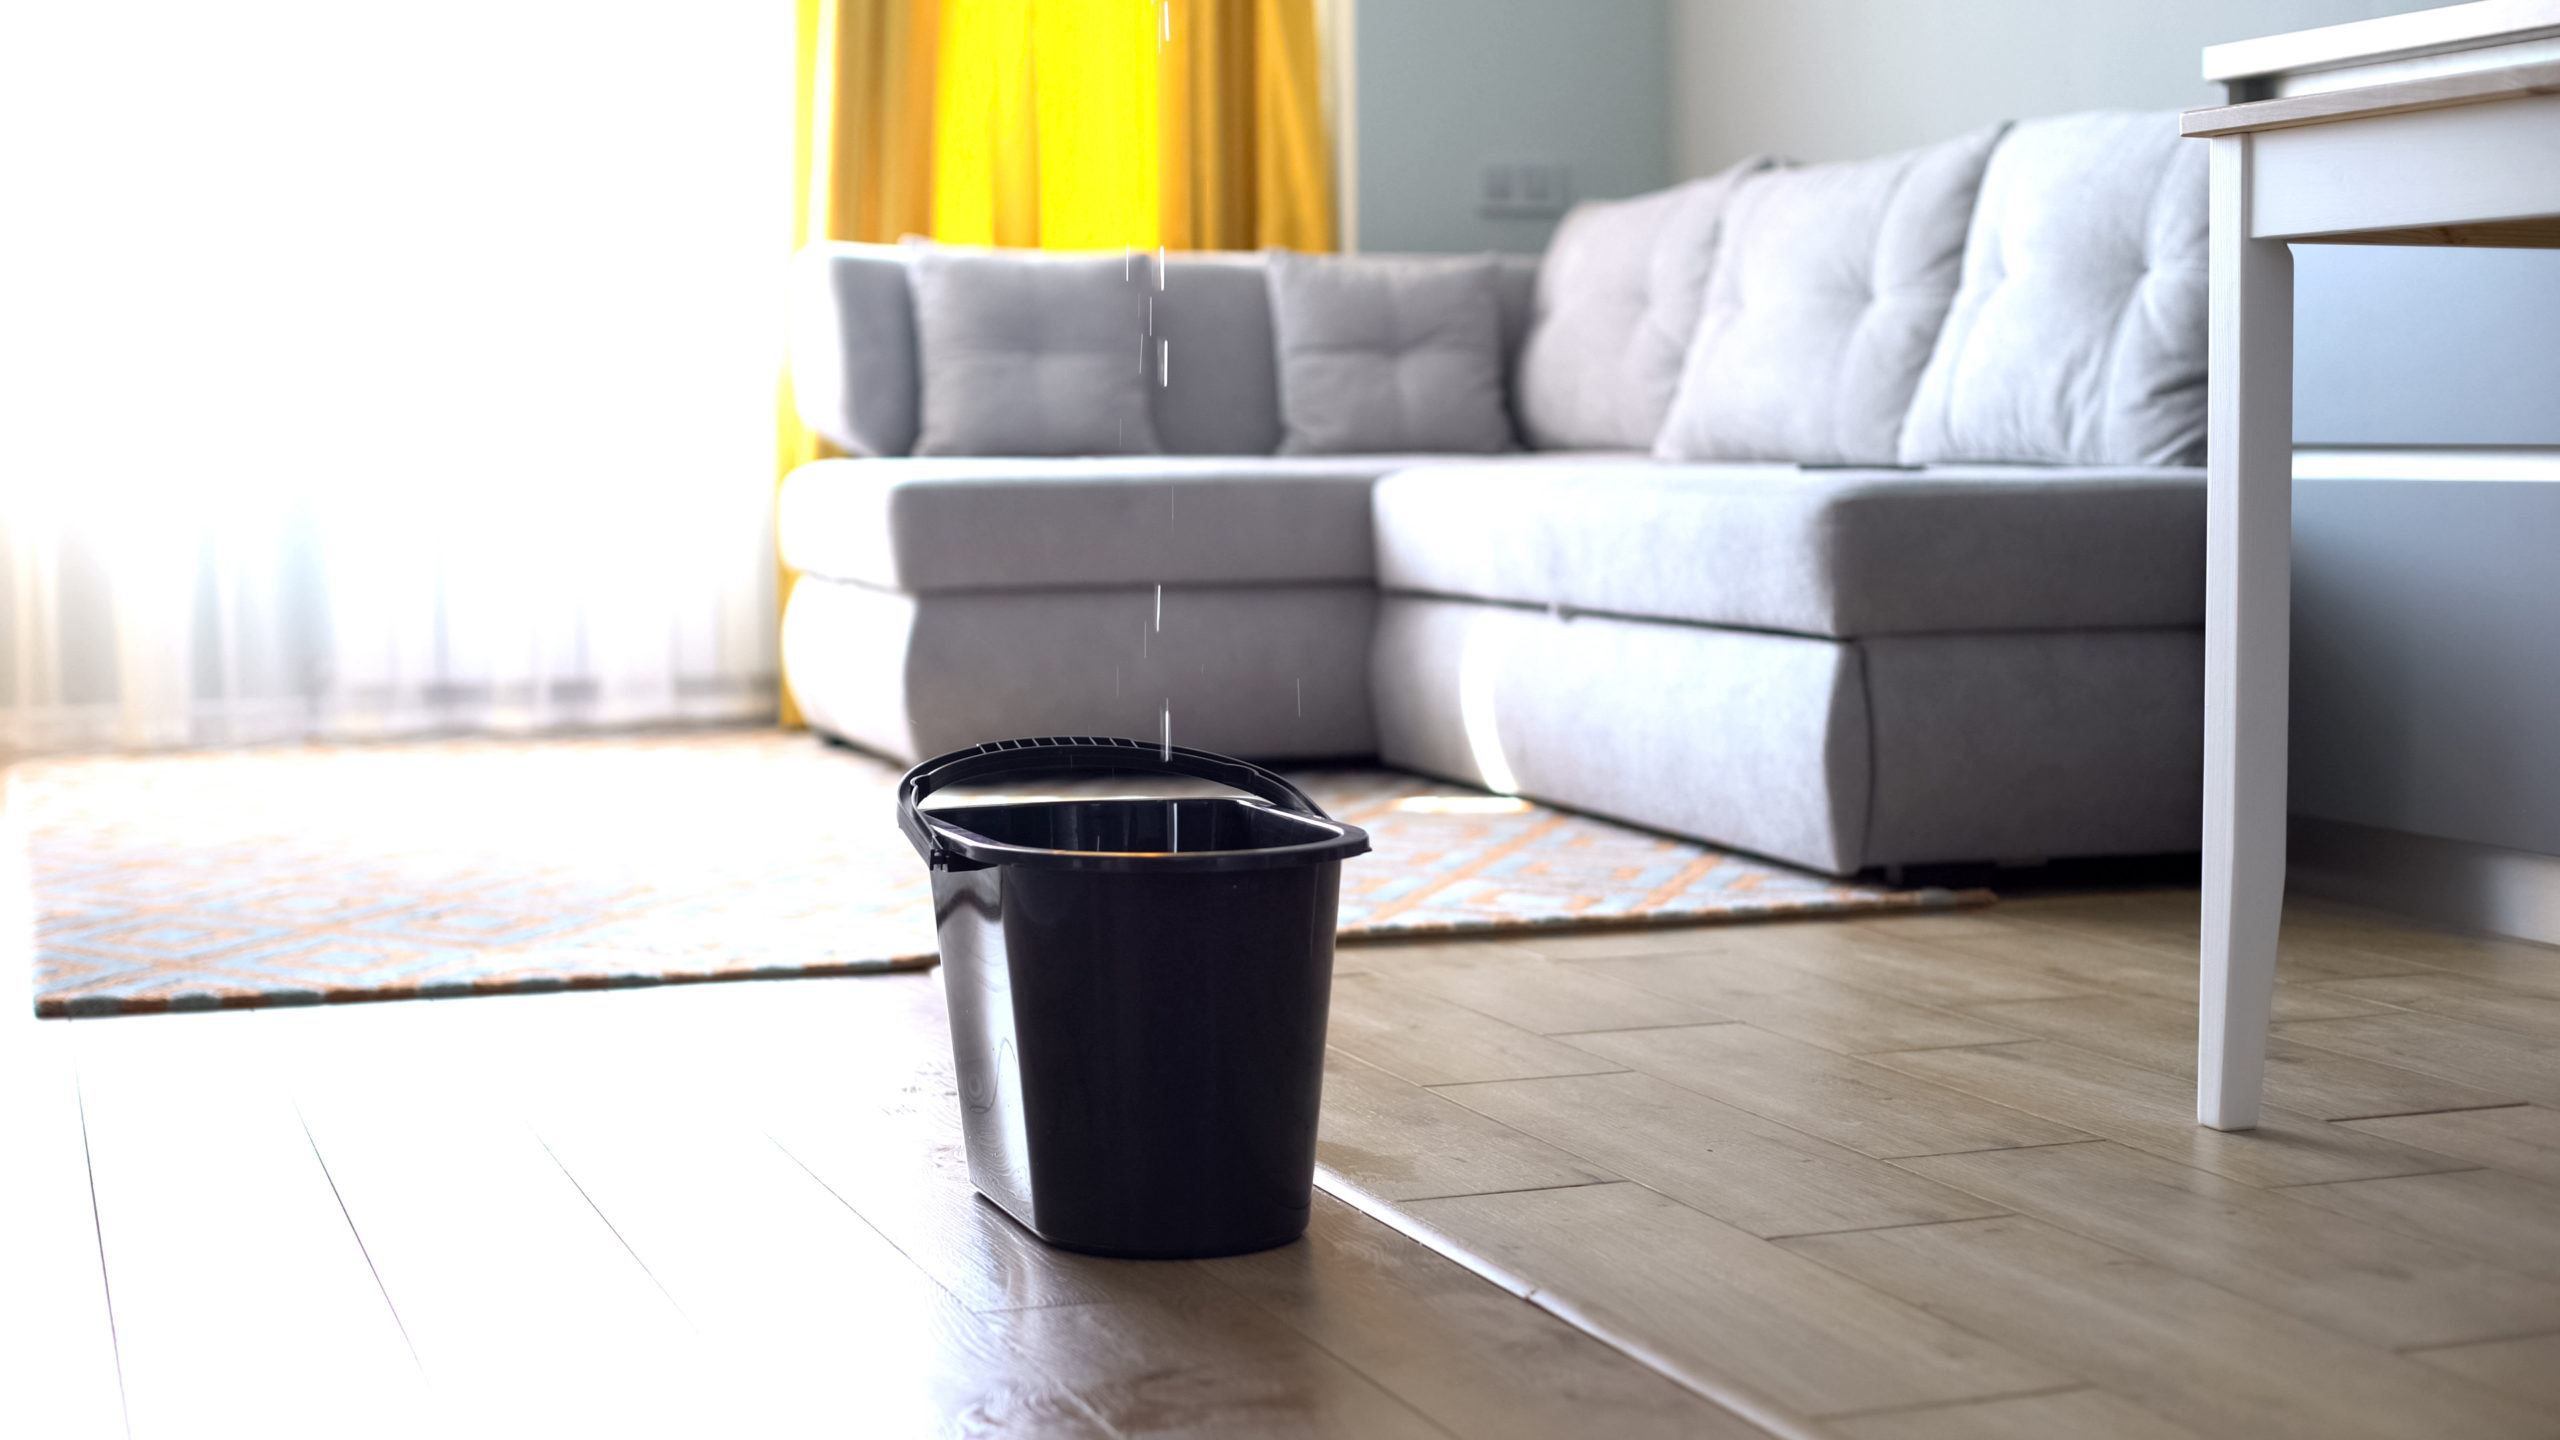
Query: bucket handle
x,y
1075,752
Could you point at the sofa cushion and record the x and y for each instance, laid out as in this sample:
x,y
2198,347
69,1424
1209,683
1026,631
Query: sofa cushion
x,y
1267,671
1025,354
1835,553
1833,754
1389,353
1824,302
2078,334
853,347
1617,299
924,525
1758,742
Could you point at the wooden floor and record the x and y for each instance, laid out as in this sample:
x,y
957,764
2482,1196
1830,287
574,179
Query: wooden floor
x,y
1939,1177
728,1210
1881,1179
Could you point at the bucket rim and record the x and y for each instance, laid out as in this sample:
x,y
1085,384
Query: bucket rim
x,y
948,846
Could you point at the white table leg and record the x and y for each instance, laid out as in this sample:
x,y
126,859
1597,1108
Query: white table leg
x,y
2248,605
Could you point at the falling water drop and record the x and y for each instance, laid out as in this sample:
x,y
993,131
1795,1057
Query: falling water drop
x,y
1167,752
1173,823
1159,607
1164,364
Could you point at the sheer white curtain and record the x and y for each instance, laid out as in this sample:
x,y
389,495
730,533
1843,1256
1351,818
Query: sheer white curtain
x,y
373,369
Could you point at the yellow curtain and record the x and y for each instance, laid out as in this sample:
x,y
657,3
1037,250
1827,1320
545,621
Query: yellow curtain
x,y
862,159
1245,160
1092,124
1064,124
1045,125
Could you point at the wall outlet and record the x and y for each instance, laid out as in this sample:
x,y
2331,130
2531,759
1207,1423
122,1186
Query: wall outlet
x,y
1525,189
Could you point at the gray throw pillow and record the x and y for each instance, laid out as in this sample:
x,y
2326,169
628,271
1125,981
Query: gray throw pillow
x,y
1383,354
2078,335
1027,354
1618,296
1829,285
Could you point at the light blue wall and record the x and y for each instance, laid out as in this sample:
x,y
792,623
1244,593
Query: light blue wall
x,y
1446,86
2406,346
2427,687
2395,345
2426,668
1841,79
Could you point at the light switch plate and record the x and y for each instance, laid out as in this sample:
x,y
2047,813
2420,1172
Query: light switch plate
x,y
1527,189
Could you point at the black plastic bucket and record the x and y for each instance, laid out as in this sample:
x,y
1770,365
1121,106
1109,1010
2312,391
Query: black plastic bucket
x,y
1137,993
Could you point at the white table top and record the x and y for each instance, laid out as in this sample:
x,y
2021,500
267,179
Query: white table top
x,y
2404,43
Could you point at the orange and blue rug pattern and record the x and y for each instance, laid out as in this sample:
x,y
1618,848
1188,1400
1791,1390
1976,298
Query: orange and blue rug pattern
x,y
311,874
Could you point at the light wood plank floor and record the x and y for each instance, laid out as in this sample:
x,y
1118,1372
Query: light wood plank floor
x,y
1921,1176
1938,1175
708,1211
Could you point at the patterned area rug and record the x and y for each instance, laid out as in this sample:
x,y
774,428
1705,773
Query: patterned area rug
x,y
372,872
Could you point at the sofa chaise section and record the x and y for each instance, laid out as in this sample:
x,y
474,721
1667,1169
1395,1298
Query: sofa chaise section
x,y
1843,669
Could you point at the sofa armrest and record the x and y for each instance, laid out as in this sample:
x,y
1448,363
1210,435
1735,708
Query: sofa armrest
x,y
853,346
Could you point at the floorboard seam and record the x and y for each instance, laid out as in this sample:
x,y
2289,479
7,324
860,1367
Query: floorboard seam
x,y
2003,1213
1345,1361
1778,1420
856,1212
358,1236
2437,1110
1567,1035
2434,1345
1513,1190
2468,1169
1926,1406
98,1229
1933,1049
2002,1149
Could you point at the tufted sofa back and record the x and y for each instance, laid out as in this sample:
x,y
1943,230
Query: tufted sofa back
x,y
2077,336
853,348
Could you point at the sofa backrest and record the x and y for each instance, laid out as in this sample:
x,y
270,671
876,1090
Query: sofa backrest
x,y
1827,292
2069,269
853,346
854,368
1617,300
2077,336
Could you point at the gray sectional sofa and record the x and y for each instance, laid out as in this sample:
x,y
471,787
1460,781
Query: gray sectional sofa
x,y
1846,514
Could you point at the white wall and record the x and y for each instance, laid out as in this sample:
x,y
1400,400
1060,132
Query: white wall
x,y
1446,86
